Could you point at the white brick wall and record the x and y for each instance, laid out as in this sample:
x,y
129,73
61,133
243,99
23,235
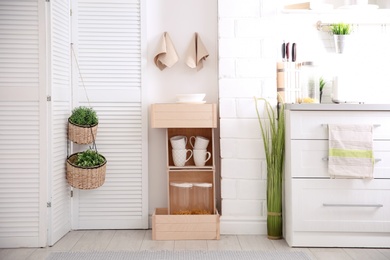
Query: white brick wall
x,y
250,36
246,68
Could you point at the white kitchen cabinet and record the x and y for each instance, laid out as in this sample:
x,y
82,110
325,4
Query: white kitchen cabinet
x,y
324,212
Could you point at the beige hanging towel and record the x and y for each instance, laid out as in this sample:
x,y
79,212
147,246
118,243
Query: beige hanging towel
x,y
351,151
166,55
196,53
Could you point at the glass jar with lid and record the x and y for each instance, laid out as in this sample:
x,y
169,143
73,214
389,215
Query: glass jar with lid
x,y
203,194
309,80
180,198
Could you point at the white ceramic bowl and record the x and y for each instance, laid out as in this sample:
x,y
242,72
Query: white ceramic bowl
x,y
190,98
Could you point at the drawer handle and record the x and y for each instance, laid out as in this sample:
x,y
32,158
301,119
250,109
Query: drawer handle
x,y
353,205
375,125
327,159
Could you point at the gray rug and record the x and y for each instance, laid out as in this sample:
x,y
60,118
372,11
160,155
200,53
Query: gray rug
x,y
180,255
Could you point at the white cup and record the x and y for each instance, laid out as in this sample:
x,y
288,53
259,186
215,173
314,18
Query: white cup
x,y
201,157
179,142
199,142
180,156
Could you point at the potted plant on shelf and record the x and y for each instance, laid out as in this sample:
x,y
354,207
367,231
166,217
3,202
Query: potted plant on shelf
x,y
82,125
322,85
340,33
86,170
274,143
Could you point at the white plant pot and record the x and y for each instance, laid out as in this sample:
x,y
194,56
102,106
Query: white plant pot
x,y
340,41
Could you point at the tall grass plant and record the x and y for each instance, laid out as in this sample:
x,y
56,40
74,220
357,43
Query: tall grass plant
x,y
273,134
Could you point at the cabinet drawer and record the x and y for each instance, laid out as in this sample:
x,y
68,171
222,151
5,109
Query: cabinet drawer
x,y
309,158
341,205
313,125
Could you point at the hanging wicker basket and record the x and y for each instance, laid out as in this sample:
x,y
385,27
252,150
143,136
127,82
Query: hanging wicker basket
x,y
85,178
82,134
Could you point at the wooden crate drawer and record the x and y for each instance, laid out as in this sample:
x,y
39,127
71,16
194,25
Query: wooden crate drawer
x,y
183,115
309,159
184,227
341,205
313,125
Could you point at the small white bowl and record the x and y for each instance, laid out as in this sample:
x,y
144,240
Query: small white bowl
x,y
190,98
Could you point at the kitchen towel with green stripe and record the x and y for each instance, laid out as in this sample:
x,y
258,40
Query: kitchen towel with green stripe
x,y
351,151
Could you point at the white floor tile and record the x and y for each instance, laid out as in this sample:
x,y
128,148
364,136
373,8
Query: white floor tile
x,y
330,254
149,244
255,242
126,240
68,241
16,254
94,240
190,245
226,242
365,254
40,254
385,252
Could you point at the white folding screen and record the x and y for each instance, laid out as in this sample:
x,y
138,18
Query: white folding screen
x,y
39,85
23,152
59,34
107,43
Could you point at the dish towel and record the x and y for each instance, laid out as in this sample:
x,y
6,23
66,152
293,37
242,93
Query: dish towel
x,y
166,55
196,53
351,151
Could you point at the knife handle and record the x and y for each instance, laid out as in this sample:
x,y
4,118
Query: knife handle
x,y
283,51
288,51
294,52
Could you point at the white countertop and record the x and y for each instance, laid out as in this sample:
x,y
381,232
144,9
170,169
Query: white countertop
x,y
338,107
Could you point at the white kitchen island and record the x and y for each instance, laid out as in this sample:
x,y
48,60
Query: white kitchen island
x,y
324,212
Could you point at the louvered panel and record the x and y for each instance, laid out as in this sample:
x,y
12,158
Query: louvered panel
x,y
20,143
109,55
109,44
120,141
60,211
61,208
19,50
19,173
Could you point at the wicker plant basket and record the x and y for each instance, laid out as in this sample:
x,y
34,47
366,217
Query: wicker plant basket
x,y
82,134
85,178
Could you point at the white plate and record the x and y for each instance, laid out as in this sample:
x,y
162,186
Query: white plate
x,y
189,102
190,97
359,7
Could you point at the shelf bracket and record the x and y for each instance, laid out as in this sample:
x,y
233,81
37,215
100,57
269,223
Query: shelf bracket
x,y
326,27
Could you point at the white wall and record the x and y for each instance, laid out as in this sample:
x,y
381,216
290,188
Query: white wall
x,y
243,52
181,19
250,38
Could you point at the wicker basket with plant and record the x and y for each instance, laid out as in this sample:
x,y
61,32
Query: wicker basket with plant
x,y
86,170
82,125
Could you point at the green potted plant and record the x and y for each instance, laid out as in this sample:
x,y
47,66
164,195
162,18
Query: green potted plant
x,y
274,144
86,170
322,85
340,33
82,125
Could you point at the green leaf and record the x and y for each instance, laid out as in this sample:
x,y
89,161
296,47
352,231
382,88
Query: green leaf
x,y
89,158
84,116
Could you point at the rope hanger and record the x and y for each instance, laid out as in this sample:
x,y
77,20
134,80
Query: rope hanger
x,y
86,93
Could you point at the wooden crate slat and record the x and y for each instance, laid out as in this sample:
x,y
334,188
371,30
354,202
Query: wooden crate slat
x,y
183,227
185,235
187,227
183,115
